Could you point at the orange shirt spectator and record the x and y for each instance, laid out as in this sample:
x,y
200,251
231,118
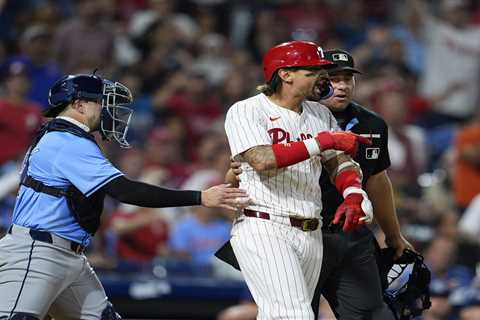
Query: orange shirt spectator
x,y
466,181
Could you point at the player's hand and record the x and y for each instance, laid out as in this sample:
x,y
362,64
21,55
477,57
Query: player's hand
x,y
356,210
236,168
223,196
341,140
399,243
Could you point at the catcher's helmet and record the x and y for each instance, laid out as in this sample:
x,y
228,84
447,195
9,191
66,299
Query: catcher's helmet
x,y
113,96
407,300
71,87
293,54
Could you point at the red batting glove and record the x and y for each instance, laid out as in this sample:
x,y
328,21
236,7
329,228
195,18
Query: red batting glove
x,y
356,209
341,140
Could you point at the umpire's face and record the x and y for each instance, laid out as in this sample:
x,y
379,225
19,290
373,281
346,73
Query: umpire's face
x,y
343,84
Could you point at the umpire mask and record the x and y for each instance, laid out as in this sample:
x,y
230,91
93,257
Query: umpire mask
x,y
116,115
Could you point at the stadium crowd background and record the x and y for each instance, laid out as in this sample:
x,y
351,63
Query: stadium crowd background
x,y
188,61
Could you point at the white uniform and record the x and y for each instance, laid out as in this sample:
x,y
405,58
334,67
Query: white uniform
x,y
280,263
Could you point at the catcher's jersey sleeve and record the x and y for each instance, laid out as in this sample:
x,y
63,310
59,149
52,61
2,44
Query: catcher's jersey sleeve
x,y
245,128
83,164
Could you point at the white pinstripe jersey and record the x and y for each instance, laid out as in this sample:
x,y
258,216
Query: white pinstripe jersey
x,y
291,191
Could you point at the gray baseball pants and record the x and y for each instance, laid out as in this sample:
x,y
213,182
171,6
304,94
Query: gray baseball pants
x,y
40,278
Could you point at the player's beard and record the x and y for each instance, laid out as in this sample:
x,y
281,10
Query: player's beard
x,y
320,89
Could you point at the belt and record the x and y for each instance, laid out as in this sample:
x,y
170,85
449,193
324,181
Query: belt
x,y
302,224
45,236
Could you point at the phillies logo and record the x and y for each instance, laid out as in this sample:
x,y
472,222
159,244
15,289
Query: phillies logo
x,y
279,135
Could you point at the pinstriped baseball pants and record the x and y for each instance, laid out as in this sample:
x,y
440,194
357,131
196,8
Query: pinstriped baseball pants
x,y
281,265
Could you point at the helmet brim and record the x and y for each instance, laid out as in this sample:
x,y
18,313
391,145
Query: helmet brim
x,y
341,69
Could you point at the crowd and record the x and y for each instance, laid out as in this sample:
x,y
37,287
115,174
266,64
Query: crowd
x,y
187,61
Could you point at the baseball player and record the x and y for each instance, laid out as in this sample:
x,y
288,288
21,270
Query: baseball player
x,y
349,278
282,142
64,181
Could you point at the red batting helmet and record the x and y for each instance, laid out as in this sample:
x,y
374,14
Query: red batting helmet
x,y
293,54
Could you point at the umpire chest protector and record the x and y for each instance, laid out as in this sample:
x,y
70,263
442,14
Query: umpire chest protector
x,y
86,210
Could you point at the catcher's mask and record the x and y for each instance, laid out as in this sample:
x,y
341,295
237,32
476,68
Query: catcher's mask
x,y
407,300
113,96
116,115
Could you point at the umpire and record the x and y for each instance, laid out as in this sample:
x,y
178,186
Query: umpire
x,y
64,180
349,279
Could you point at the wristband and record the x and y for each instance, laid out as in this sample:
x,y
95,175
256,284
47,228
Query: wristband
x,y
355,190
312,147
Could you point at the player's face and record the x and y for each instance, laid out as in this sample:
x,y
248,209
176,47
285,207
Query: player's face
x,y
93,112
343,85
305,80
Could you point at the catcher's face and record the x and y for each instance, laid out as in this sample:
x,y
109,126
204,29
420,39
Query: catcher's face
x,y
343,85
93,112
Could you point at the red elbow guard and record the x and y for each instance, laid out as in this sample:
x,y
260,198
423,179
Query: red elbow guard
x,y
348,178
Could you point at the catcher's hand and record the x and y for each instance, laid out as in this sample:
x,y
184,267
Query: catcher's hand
x,y
356,210
224,196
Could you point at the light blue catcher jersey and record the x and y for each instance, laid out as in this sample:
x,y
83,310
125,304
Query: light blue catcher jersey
x,y
59,160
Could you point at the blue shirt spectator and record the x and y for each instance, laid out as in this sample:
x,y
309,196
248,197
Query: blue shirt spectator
x,y
197,237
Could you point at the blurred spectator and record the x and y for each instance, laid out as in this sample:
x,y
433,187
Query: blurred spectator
x,y
466,181
467,301
407,145
164,153
270,29
447,277
197,236
20,117
409,34
452,59
143,119
189,95
142,234
309,20
469,224
213,62
86,41
36,54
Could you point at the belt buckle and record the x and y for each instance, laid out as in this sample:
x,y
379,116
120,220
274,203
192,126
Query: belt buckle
x,y
309,224
77,248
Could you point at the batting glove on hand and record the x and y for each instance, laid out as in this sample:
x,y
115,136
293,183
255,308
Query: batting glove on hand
x,y
356,209
341,140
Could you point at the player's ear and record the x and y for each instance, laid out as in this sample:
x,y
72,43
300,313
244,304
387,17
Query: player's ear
x,y
285,75
79,105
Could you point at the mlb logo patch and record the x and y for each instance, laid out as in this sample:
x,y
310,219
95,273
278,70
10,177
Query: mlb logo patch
x,y
372,153
340,57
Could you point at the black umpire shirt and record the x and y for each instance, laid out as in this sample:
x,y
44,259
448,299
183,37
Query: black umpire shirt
x,y
372,159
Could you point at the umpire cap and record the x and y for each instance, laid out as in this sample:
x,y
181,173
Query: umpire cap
x,y
343,60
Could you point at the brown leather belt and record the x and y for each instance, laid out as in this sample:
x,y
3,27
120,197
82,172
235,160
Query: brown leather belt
x,y
302,224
